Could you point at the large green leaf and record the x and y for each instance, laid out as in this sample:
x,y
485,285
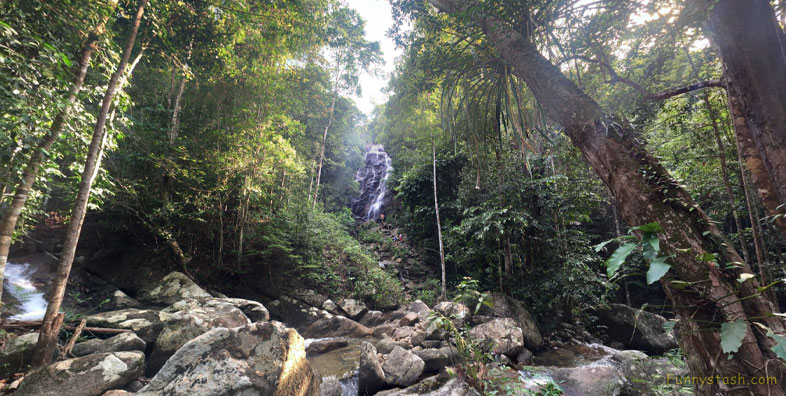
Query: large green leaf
x,y
780,344
650,245
649,228
658,268
618,257
732,334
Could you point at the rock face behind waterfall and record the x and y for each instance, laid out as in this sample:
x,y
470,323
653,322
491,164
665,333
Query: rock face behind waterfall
x,y
373,190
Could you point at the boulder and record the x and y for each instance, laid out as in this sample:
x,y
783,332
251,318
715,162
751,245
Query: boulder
x,y
308,296
336,326
387,344
371,378
117,392
644,375
119,343
262,358
409,319
636,329
146,323
255,311
85,376
174,287
434,386
187,324
121,300
589,381
456,311
372,318
435,359
17,352
402,367
507,307
330,386
353,308
327,345
330,306
501,335
420,308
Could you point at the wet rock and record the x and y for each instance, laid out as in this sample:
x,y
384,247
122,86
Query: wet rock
x,y
353,308
590,381
435,359
402,367
330,386
501,335
263,358
627,356
86,376
507,307
174,287
17,352
184,325
647,376
636,329
371,378
336,326
323,346
119,343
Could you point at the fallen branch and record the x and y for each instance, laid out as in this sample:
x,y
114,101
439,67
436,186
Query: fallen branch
x,y
72,341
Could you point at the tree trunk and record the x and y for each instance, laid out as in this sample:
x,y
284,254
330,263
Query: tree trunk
x,y
443,289
645,192
750,43
38,156
507,258
51,326
339,71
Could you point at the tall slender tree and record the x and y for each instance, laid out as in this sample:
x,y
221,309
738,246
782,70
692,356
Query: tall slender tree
x,y
53,319
39,154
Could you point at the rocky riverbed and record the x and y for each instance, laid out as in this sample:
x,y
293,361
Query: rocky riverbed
x,y
176,338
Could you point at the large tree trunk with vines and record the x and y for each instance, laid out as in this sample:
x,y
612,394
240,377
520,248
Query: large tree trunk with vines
x,y
38,155
751,44
704,295
53,319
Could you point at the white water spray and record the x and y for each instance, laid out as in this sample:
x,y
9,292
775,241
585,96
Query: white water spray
x,y
382,189
18,283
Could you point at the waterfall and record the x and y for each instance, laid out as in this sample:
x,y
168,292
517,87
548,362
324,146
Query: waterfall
x,y
19,284
372,178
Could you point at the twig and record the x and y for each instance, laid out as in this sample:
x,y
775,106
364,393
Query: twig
x,y
70,344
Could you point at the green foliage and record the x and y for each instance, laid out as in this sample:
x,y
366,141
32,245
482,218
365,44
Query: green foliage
x,y
468,294
731,335
650,247
429,291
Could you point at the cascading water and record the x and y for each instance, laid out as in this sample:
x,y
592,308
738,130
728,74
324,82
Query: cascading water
x,y
19,284
373,187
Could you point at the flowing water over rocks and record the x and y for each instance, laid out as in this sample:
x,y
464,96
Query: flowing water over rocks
x,y
20,284
372,179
